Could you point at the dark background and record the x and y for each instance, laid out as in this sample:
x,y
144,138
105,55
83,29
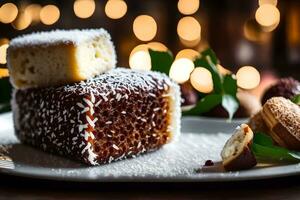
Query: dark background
x,y
222,24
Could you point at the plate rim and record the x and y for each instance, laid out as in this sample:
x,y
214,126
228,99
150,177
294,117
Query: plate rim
x,y
290,170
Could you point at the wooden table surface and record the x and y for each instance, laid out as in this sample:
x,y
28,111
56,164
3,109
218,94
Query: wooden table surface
x,y
25,188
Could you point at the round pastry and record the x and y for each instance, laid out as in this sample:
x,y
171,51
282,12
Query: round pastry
x,y
236,153
283,120
285,87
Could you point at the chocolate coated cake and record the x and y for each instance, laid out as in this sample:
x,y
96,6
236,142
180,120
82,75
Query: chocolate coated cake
x,y
121,113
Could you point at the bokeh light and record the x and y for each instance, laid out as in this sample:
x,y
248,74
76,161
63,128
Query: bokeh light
x,y
248,77
84,8
181,69
22,21
3,72
8,13
272,2
49,14
157,46
188,7
34,11
115,9
254,32
3,50
187,53
144,27
223,70
140,60
267,15
201,80
189,29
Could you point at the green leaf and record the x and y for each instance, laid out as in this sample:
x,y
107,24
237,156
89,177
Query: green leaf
x,y
161,61
230,104
264,149
205,104
263,139
230,85
209,52
296,99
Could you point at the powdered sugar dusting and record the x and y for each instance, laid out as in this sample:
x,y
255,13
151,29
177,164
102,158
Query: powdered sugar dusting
x,y
180,158
55,37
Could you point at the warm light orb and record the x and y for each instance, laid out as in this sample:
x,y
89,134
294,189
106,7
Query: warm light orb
x,y
201,80
34,11
144,27
49,14
181,69
187,53
189,29
3,72
267,15
141,47
248,77
22,21
188,7
84,8
3,49
223,70
157,46
8,13
115,9
140,60
272,2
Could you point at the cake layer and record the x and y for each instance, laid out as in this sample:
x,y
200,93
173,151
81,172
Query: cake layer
x,y
59,57
118,114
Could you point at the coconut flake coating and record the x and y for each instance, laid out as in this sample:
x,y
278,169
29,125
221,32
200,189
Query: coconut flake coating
x,y
121,113
55,37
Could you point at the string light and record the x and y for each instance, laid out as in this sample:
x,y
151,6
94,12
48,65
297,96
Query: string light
x,y
115,9
144,27
223,70
272,2
3,73
189,29
181,69
189,43
49,14
201,80
84,8
22,21
3,50
248,77
187,53
188,7
34,11
157,46
267,15
8,13
140,60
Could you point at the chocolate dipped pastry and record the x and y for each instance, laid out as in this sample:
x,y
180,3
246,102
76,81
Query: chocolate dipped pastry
x,y
121,113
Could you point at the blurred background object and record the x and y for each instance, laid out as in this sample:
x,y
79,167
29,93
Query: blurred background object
x,y
264,34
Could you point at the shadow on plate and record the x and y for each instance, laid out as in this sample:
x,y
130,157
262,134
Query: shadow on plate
x,y
20,154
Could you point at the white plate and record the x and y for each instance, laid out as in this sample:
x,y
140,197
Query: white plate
x,y
201,139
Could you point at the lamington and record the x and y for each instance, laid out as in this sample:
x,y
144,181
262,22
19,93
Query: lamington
x,y
119,114
59,57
